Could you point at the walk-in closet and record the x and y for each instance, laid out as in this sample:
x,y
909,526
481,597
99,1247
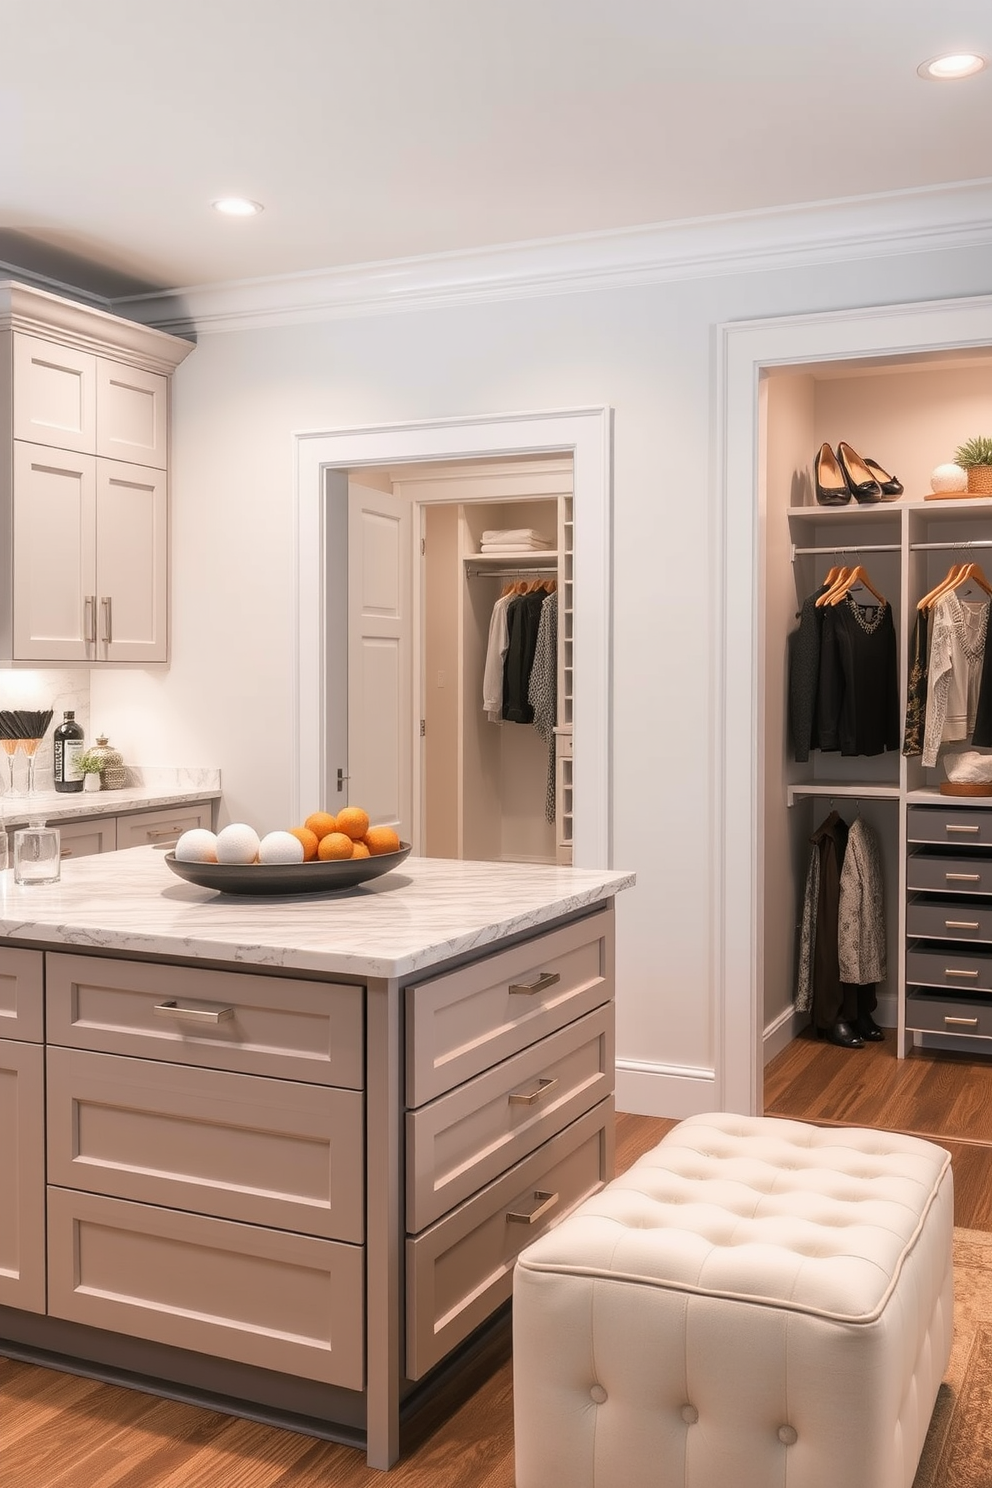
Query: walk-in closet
x,y
908,415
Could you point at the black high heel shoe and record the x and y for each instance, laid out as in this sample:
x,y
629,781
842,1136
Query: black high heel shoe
x,y
844,1034
829,480
890,487
868,1029
864,487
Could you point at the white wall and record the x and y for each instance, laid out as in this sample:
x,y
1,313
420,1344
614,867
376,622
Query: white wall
x,y
648,352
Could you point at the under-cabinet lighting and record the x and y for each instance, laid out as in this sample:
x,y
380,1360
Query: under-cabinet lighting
x,y
955,65
237,206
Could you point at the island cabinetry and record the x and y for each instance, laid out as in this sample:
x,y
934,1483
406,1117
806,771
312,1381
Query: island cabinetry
x,y
22,1131
510,1067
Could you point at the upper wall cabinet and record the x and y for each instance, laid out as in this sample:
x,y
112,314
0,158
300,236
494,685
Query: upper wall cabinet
x,y
84,436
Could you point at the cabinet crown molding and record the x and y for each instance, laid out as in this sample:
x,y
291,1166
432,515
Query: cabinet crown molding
x,y
38,313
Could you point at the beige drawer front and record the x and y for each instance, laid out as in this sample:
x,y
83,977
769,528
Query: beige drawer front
x,y
241,1147
956,828
960,972
469,1136
949,921
83,839
460,1269
22,995
279,1026
22,1176
161,828
463,1022
957,876
935,1014
280,1301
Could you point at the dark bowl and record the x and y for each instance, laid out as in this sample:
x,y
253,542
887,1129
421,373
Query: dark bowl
x,y
287,878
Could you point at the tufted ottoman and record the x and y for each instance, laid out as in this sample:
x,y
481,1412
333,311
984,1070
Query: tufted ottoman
x,y
754,1303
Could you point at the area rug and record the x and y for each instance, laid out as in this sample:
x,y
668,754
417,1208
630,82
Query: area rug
x,y
958,1448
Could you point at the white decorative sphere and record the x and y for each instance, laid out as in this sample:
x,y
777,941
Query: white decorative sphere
x,y
949,477
280,847
197,846
237,843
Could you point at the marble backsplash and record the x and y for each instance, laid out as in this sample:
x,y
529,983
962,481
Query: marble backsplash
x,y
58,688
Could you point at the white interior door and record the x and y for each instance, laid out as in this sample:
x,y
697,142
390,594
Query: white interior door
x,y
380,689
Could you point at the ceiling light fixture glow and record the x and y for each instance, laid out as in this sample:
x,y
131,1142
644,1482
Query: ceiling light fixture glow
x,y
955,65
237,206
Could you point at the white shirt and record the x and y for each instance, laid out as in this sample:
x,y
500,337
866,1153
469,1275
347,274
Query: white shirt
x,y
954,675
492,679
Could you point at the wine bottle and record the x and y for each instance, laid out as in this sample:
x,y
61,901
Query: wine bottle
x,y
69,747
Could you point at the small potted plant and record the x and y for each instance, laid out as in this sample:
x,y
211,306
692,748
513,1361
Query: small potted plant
x,y
975,455
91,763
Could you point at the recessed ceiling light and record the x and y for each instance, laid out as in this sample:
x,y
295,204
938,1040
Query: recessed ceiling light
x,y
955,65
237,206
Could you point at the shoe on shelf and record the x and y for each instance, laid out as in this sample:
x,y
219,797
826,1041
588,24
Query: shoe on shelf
x,y
890,486
869,1030
864,487
829,480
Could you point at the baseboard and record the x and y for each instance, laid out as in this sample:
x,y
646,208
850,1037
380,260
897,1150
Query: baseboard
x,y
671,1090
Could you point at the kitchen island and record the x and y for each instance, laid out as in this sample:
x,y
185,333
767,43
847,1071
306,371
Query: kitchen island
x,y
277,1155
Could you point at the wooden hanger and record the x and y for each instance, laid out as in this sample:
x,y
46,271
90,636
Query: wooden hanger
x,y
856,575
947,582
839,576
958,574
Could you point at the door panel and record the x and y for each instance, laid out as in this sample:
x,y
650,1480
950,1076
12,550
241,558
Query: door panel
x,y
131,572
54,503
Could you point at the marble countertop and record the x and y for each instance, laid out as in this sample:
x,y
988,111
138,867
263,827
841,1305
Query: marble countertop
x,y
425,912
150,789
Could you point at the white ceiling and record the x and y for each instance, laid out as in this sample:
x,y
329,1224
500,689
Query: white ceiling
x,y
383,129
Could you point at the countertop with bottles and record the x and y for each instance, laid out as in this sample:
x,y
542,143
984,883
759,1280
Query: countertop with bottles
x,y
148,788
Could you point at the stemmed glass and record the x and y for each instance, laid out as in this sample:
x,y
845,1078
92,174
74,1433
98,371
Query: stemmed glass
x,y
10,748
30,746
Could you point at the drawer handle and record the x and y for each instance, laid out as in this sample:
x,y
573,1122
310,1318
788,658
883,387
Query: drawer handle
x,y
155,834
952,828
950,971
963,877
963,1022
172,1009
546,979
521,1098
960,924
65,852
547,1201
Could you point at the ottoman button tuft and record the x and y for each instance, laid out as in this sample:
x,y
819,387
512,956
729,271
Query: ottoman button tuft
x,y
598,1394
690,1415
788,1435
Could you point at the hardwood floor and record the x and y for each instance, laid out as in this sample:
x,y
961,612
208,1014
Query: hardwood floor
x,y
944,1097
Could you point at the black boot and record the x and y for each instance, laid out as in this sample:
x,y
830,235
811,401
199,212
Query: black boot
x,y
864,1022
844,1034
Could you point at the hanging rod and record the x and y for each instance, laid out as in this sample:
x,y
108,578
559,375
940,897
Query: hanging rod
x,y
979,542
861,548
475,572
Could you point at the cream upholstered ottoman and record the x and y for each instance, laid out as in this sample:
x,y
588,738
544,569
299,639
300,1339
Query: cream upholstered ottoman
x,y
754,1303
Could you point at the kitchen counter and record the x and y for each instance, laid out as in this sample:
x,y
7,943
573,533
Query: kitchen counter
x,y
426,911
154,788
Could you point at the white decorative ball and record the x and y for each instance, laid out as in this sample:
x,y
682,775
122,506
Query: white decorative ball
x,y
237,843
949,477
197,846
280,847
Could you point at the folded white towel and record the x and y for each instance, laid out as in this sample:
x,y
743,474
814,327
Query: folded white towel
x,y
515,537
515,548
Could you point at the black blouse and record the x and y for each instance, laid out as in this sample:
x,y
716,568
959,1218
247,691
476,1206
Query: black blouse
x,y
858,694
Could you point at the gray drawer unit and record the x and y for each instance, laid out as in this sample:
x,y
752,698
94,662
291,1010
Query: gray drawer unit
x,y
958,971
934,874
950,920
953,828
934,1014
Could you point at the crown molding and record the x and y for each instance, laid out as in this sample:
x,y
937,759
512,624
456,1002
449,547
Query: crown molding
x,y
958,215
38,312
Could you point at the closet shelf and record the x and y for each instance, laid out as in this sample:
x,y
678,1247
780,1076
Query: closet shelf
x,y
848,792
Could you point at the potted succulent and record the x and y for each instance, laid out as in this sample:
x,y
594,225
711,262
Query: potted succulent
x,y
91,762
975,455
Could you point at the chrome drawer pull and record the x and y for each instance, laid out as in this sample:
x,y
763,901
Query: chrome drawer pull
x,y
108,632
963,877
197,1015
549,1202
960,924
544,1087
546,979
963,1022
950,971
89,618
952,828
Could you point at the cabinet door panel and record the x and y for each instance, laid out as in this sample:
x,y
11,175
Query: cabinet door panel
x,y
161,828
22,996
22,1176
54,537
85,838
131,574
238,1147
284,1302
54,395
132,414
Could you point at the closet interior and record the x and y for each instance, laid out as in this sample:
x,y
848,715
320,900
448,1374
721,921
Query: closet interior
x,y
493,790
909,415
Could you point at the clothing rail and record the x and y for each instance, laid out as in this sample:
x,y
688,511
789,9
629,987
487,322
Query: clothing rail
x,y
475,571
933,547
861,548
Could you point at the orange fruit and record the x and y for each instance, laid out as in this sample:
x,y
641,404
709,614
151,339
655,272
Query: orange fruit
x,y
359,850
380,840
354,821
320,823
309,840
335,845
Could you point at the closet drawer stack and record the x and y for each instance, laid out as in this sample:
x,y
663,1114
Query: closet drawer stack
x,y
949,920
